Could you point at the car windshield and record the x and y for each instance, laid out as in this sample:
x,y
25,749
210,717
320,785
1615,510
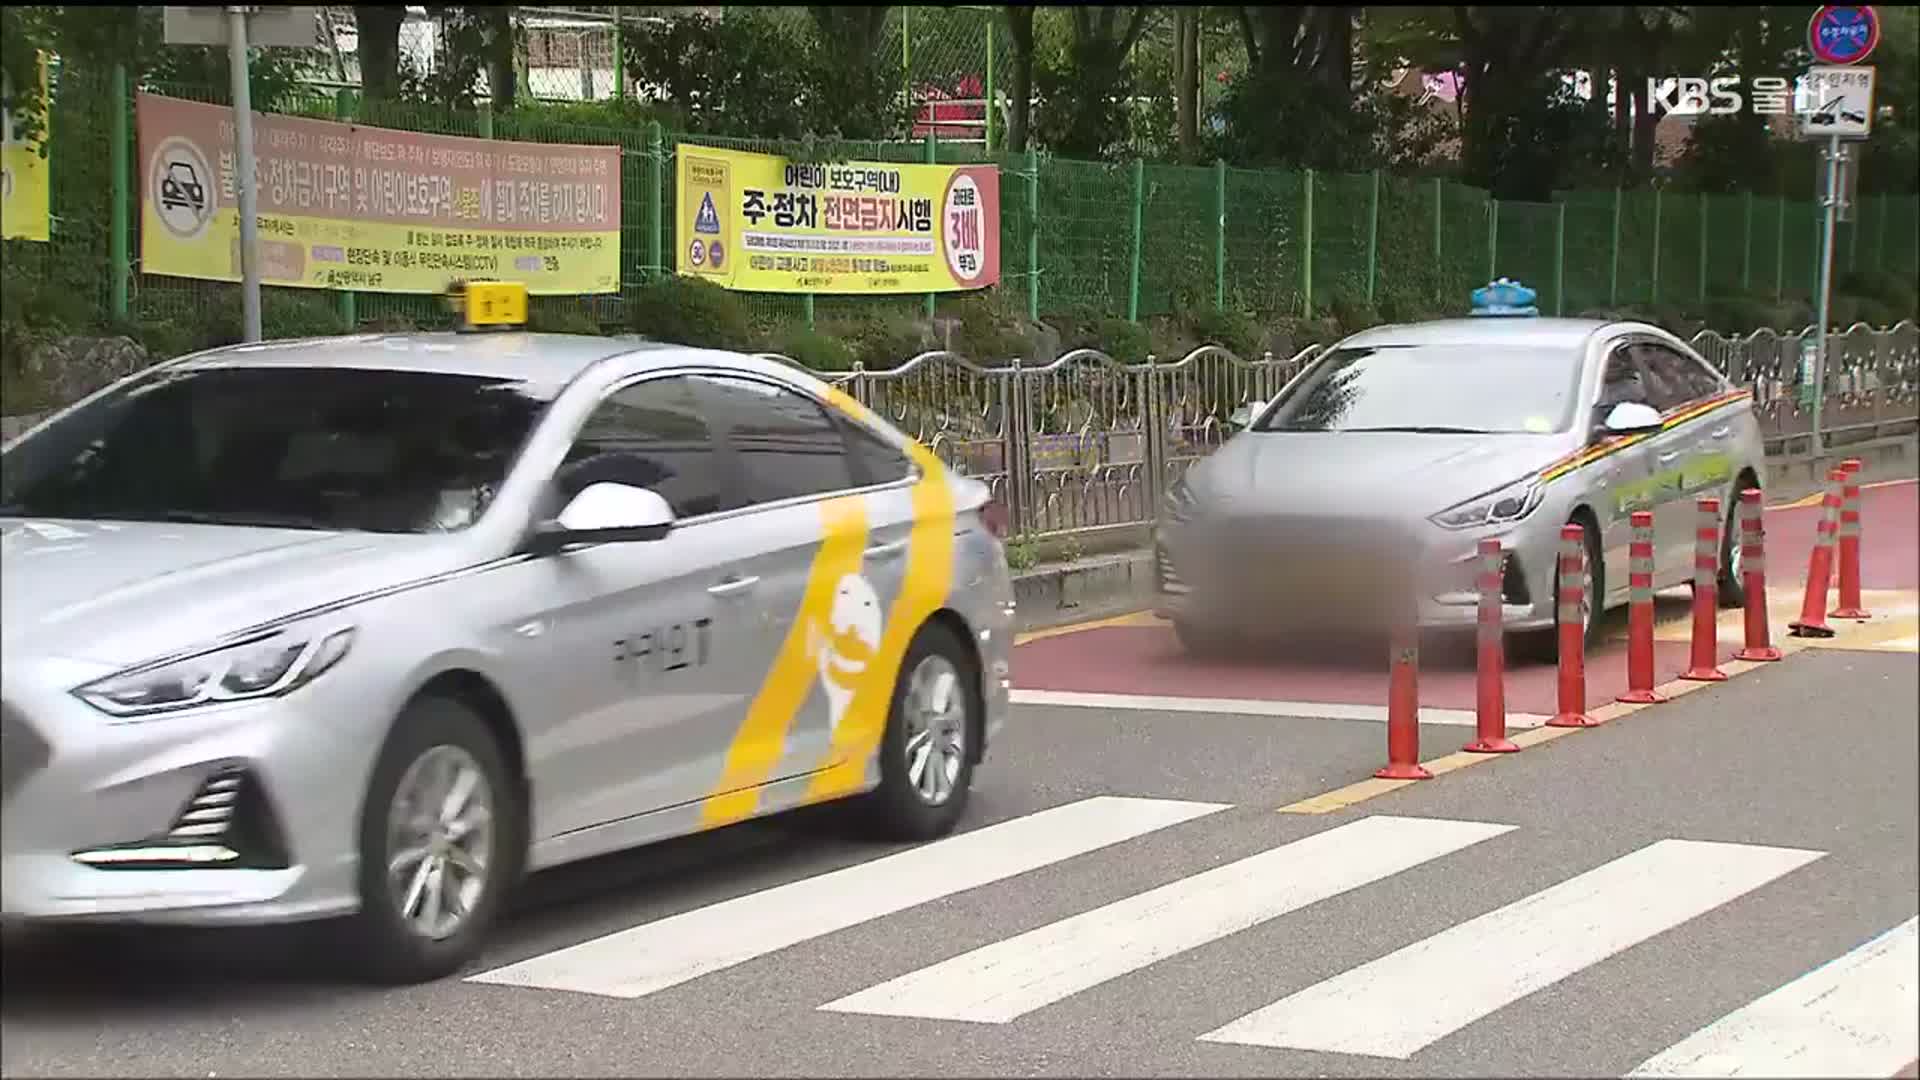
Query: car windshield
x,y
1439,389
311,448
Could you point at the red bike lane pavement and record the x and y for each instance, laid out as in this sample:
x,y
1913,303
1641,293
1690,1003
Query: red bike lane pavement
x,y
1145,658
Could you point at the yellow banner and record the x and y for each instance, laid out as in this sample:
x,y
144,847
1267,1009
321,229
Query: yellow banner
x,y
342,206
24,191
760,223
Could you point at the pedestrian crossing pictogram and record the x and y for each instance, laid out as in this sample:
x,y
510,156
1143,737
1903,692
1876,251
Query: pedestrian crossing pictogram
x,y
706,220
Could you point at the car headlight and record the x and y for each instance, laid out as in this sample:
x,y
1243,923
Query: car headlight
x,y
265,666
1510,503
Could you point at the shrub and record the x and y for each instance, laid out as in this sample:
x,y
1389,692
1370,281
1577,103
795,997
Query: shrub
x,y
689,311
1232,329
885,340
990,332
1353,312
1742,314
561,315
284,313
814,350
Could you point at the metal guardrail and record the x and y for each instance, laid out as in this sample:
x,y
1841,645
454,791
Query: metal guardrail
x,y
1087,443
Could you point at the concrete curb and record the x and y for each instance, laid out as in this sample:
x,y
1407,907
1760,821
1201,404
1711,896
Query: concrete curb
x,y
1047,596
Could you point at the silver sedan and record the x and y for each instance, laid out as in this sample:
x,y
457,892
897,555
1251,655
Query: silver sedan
x,y
1368,481
367,627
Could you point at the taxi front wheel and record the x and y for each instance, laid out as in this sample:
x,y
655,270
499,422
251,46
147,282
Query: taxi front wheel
x,y
926,755
441,839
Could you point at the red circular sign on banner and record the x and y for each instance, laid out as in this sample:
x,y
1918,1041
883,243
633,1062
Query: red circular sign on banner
x,y
1843,33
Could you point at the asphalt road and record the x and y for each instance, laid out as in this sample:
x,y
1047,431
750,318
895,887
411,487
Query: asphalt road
x,y
1801,775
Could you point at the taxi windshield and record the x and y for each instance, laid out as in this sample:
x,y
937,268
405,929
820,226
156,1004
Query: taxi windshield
x,y
1434,389
290,447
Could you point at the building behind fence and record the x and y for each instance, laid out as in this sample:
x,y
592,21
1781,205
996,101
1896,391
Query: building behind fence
x,y
1086,444
1127,240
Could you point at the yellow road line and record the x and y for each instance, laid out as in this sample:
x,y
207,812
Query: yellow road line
x,y
1131,618
1815,498
1373,787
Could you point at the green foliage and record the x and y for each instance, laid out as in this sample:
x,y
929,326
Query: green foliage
x,y
764,74
688,311
562,315
814,349
884,339
284,313
990,332
1352,311
1230,328
1896,292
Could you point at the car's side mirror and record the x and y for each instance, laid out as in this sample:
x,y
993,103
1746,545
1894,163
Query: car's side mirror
x,y
604,513
1244,415
1631,418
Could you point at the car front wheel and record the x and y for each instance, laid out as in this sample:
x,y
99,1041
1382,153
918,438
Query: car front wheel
x,y
441,840
926,755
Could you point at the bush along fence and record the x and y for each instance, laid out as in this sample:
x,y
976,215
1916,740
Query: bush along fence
x,y
1125,241
1086,444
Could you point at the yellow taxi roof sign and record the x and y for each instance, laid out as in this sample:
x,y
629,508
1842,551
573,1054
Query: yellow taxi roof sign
x,y
489,305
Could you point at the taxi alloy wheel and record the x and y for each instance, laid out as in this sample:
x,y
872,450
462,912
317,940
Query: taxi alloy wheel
x,y
933,730
442,837
1732,586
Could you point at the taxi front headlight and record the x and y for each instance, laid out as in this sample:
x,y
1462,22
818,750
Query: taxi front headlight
x,y
1498,507
266,666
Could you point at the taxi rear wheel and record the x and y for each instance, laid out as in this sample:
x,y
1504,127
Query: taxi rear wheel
x,y
1204,642
441,840
1731,590
933,728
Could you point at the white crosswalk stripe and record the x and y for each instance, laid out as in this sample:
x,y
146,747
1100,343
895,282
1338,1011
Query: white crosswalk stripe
x,y
1014,976
1856,1016
1406,1000
645,959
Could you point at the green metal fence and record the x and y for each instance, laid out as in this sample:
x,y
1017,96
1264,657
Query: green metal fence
x,y
1126,240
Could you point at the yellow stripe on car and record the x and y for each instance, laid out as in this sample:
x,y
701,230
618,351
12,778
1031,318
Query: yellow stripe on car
x,y
762,738
929,576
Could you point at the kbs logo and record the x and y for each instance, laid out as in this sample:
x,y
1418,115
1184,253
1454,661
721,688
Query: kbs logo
x,y
1771,96
1695,97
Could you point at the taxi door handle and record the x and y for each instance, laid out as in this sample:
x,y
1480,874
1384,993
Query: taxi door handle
x,y
1722,432
881,551
1668,456
732,586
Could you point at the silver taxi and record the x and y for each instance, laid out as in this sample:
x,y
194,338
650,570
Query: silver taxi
x,y
1400,448
367,627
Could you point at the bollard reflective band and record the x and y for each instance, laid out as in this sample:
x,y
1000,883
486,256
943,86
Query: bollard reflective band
x,y
1753,548
1572,588
1490,592
1850,511
1706,548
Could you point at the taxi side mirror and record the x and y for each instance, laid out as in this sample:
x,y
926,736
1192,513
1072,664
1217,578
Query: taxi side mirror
x,y
604,513
1243,416
1632,418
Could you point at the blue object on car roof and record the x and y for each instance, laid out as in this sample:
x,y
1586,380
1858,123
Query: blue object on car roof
x,y
1504,297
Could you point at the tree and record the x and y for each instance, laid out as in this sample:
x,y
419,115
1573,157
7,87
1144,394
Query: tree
x,y
378,31
1020,36
1186,81
1084,110
848,74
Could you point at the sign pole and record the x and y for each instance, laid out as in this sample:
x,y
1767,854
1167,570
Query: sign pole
x,y
243,154
1830,203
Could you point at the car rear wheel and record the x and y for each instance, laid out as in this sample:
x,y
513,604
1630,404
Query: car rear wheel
x,y
1204,642
441,840
1732,587
933,727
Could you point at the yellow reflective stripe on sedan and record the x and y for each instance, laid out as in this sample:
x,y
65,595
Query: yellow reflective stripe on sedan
x,y
1588,455
929,577
761,741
